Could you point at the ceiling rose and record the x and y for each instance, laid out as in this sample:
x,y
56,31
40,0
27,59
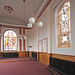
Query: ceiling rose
x,y
8,8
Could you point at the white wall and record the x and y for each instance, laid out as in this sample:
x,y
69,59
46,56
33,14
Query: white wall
x,y
29,40
66,51
43,29
35,41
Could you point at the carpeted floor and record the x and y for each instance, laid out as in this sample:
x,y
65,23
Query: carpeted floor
x,y
25,68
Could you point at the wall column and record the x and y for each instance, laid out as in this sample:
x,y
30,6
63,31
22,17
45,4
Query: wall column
x,y
20,41
24,40
0,42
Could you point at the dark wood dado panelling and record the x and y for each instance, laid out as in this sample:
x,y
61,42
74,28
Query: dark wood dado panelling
x,y
44,58
64,67
34,55
9,55
13,54
0,54
64,57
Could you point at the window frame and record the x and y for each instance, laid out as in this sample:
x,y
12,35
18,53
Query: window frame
x,y
16,40
69,26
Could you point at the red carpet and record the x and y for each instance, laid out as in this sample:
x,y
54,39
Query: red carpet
x,y
24,68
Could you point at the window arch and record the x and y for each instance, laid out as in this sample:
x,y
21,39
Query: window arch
x,y
10,40
64,27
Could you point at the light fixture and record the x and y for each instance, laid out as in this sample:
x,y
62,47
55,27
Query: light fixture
x,y
40,24
32,19
22,36
25,37
30,25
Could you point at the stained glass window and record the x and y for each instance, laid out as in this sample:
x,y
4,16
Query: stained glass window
x,y
10,40
64,27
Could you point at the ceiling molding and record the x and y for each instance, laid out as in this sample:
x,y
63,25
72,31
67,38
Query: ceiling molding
x,y
42,8
13,26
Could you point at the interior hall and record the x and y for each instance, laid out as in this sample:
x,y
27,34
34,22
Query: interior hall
x,y
37,37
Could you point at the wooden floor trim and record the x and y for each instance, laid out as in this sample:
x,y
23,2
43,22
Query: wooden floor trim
x,y
15,61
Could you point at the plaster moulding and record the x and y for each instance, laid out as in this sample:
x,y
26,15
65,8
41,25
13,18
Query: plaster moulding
x,y
42,8
13,25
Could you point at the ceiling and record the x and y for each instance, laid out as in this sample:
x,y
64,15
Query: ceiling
x,y
17,15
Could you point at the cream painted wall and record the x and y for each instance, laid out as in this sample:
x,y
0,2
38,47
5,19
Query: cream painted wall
x,y
35,41
29,40
66,51
26,45
43,29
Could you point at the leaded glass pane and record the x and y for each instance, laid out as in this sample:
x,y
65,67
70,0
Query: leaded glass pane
x,y
10,40
64,27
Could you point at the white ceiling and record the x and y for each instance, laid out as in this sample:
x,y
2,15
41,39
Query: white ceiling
x,y
17,15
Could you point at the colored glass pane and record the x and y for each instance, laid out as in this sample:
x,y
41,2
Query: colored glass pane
x,y
10,40
64,27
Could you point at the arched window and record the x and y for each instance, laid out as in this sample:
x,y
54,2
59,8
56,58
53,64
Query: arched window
x,y
10,40
64,27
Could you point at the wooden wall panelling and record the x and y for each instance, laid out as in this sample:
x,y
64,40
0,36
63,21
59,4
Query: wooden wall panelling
x,y
44,58
27,53
10,52
48,56
64,57
21,54
37,56
41,56
30,53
